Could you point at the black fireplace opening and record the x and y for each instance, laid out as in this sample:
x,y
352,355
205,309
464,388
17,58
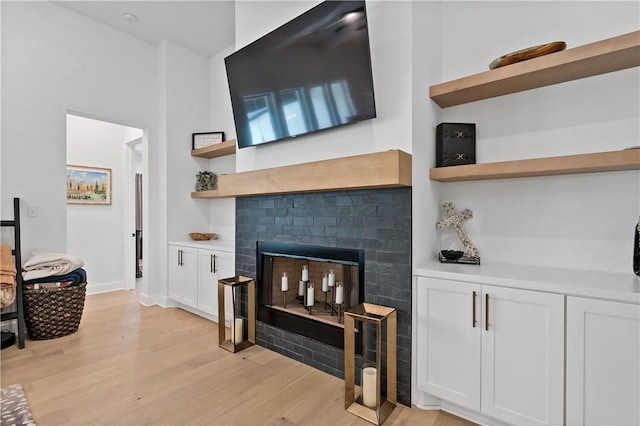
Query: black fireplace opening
x,y
323,320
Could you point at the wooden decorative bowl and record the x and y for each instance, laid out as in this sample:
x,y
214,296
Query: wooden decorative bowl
x,y
528,53
201,237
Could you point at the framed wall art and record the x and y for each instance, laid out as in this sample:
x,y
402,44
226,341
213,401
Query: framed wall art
x,y
203,140
88,185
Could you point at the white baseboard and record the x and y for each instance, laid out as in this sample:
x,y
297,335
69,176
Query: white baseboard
x,y
210,317
424,401
147,300
104,287
472,416
165,302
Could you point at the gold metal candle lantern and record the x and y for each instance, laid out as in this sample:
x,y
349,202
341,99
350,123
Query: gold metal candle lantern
x,y
237,339
371,405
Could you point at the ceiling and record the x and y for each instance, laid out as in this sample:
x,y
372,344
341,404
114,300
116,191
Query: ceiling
x,y
204,26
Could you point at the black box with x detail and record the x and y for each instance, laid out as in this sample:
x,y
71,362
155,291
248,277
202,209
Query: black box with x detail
x,y
455,144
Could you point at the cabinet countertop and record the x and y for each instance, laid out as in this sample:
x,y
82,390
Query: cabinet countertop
x,y
222,245
616,286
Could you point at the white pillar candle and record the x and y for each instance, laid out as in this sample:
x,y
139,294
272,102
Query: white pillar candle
x,y
310,296
332,278
305,273
325,283
339,294
237,331
301,288
369,394
285,282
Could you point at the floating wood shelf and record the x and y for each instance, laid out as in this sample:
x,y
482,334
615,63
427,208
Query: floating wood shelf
x,y
216,150
592,59
205,194
389,169
628,159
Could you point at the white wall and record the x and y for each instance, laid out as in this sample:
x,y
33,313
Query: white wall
x,y
186,112
427,29
426,53
220,113
95,233
222,213
390,39
576,221
55,61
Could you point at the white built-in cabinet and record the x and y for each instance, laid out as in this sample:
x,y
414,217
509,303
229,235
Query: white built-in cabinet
x,y
212,266
492,339
193,277
183,275
449,341
522,356
495,350
603,362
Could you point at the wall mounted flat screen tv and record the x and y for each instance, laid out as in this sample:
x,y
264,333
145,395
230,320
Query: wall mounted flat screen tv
x,y
311,74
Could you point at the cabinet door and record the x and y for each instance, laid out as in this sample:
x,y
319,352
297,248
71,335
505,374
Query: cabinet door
x,y
176,289
190,276
603,362
183,275
448,341
523,356
212,266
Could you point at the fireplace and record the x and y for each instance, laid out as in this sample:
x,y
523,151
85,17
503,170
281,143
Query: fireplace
x,y
376,222
314,304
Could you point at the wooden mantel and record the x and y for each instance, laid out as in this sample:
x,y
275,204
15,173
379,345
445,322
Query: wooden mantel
x,y
388,169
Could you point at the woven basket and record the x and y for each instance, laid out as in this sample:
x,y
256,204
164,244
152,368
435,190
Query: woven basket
x,y
53,312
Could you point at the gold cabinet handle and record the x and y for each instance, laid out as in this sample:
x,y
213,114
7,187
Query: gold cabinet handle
x,y
486,312
473,319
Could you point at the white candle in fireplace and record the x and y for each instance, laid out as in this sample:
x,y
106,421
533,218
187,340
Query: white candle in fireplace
x,y
236,336
332,278
285,282
305,273
325,283
339,294
369,375
310,295
301,288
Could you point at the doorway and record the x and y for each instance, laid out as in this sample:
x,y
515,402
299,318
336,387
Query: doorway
x,y
105,236
135,173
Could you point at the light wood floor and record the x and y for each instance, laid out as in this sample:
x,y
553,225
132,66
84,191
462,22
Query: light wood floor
x,y
134,365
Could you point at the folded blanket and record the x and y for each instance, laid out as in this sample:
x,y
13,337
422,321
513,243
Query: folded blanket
x,y
7,280
7,276
75,277
46,264
7,265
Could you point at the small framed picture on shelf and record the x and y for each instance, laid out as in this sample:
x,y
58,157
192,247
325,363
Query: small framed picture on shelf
x,y
203,140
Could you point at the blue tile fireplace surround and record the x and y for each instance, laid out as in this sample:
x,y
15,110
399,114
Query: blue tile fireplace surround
x,y
375,221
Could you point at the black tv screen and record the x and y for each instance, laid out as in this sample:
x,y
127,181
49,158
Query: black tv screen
x,y
311,74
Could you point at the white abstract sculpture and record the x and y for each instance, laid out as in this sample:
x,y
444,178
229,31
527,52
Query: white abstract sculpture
x,y
455,219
